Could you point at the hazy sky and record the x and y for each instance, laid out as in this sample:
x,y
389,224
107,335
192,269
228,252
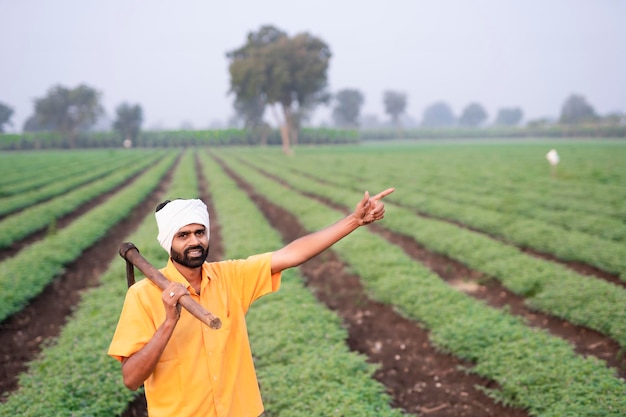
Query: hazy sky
x,y
169,56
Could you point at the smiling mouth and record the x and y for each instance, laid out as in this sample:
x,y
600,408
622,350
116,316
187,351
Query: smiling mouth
x,y
195,252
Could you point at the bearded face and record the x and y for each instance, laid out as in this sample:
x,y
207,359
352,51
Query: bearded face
x,y
190,246
192,257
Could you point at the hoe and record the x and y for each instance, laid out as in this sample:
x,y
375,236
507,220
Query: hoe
x,y
133,258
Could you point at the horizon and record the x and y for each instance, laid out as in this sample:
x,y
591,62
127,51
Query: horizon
x,y
171,59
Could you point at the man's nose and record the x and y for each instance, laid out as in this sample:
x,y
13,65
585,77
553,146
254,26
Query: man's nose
x,y
195,240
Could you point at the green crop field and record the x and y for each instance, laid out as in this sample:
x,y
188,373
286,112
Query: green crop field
x,y
551,241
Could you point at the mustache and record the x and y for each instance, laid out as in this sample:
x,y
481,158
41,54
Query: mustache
x,y
194,248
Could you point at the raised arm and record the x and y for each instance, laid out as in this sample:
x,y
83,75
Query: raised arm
x,y
368,210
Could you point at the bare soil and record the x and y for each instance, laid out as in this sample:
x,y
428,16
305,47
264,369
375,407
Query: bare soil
x,y
420,379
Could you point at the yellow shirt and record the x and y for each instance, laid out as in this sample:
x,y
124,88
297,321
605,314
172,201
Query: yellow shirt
x,y
202,372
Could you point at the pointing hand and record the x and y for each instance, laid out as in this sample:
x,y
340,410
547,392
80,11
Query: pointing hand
x,y
371,209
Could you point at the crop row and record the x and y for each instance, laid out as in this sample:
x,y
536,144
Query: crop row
x,y
18,167
39,263
589,179
27,171
543,237
592,182
591,172
517,188
534,369
303,364
298,378
29,193
44,215
71,180
74,376
547,286
593,201
529,203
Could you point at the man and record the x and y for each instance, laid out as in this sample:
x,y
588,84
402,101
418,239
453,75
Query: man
x,y
187,368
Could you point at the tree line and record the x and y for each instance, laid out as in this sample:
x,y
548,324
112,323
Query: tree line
x,y
575,110
69,111
289,76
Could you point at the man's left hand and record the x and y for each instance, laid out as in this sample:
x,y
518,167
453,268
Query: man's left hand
x,y
371,209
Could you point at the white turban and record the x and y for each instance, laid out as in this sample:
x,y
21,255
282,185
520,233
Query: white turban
x,y
177,214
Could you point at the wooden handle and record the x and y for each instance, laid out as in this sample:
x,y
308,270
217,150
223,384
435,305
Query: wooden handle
x,y
131,254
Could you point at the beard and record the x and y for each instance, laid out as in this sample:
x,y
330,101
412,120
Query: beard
x,y
188,261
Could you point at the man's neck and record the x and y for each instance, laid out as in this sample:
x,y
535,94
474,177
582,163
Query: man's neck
x,y
192,275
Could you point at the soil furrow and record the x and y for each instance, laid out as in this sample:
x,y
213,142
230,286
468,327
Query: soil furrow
x,y
65,220
577,266
420,379
585,341
21,335
138,407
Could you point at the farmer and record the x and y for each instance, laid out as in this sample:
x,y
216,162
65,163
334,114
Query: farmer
x,y
187,368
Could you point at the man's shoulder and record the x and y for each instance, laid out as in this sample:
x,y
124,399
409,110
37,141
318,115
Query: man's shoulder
x,y
258,258
143,285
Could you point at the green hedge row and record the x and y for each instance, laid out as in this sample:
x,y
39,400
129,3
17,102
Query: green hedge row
x,y
53,140
173,138
557,131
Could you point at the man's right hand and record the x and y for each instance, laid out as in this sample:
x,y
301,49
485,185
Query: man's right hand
x,y
170,296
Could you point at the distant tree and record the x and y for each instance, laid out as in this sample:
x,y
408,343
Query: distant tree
x,y
473,115
290,72
614,118
370,121
348,107
186,125
67,111
438,115
509,116
395,105
128,121
6,113
234,121
31,125
251,111
540,122
576,110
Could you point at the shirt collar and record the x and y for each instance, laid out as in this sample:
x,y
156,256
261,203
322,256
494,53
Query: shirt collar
x,y
174,275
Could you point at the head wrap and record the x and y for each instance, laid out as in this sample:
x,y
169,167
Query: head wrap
x,y
177,214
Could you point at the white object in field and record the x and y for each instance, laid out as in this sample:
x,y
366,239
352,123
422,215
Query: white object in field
x,y
553,157
128,143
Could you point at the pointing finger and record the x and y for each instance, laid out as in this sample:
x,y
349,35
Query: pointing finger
x,y
383,193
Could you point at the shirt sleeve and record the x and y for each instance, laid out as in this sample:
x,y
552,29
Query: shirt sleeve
x,y
135,326
257,279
